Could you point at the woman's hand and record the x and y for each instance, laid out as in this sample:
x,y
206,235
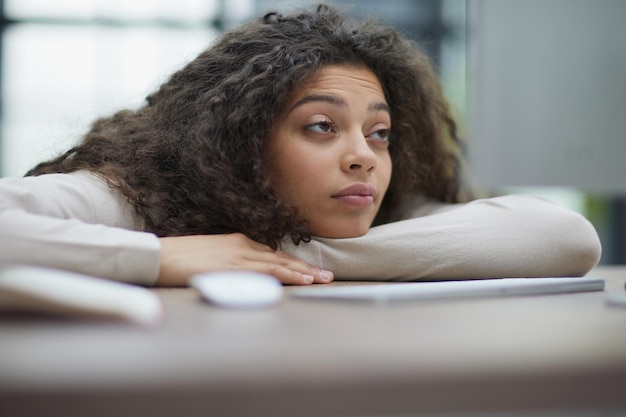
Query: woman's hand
x,y
184,256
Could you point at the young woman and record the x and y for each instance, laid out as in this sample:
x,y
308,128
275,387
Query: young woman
x,y
310,147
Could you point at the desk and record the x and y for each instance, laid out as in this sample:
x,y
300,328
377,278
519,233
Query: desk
x,y
324,358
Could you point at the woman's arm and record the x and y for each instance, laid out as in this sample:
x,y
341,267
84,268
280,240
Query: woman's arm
x,y
512,236
76,222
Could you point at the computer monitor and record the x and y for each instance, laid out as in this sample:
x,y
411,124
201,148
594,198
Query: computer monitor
x,y
547,93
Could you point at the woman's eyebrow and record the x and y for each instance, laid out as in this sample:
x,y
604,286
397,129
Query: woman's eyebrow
x,y
336,101
378,106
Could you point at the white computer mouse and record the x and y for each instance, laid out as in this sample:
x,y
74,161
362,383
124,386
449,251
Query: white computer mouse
x,y
238,289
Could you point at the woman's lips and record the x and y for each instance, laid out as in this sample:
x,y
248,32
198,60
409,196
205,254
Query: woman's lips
x,y
360,195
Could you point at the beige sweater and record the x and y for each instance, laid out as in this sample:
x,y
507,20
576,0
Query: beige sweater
x,y
76,222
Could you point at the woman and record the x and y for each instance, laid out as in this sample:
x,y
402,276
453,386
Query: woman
x,y
276,150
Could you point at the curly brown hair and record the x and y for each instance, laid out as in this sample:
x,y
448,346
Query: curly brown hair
x,y
191,160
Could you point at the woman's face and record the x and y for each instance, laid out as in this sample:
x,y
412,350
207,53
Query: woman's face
x,y
328,151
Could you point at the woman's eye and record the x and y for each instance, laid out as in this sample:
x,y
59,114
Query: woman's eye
x,y
382,135
321,127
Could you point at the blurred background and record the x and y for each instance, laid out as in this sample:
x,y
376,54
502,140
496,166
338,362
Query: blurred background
x,y
537,85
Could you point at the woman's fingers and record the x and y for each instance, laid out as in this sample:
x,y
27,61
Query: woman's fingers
x,y
184,256
282,273
310,274
267,258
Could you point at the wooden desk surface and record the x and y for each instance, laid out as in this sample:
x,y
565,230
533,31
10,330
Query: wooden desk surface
x,y
325,358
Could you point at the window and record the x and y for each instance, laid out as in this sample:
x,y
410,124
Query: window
x,y
66,62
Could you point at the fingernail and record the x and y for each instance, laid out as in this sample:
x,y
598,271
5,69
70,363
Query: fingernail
x,y
308,278
326,275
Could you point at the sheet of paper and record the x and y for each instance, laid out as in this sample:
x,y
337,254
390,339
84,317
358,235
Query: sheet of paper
x,y
63,293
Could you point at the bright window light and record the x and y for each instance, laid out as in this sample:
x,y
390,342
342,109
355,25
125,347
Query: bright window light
x,y
72,75
189,11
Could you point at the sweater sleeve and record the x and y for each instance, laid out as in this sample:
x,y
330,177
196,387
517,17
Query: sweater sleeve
x,y
511,236
75,222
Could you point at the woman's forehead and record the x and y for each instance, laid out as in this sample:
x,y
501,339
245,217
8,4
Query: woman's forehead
x,y
336,78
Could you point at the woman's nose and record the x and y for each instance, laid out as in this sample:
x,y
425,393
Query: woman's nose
x,y
358,154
